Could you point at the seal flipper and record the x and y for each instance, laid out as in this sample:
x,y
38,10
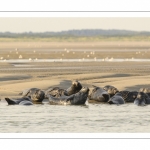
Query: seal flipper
x,y
110,102
10,102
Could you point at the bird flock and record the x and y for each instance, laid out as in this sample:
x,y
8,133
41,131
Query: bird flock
x,y
85,55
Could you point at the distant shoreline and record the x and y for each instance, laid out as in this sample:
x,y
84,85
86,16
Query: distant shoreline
x,y
77,39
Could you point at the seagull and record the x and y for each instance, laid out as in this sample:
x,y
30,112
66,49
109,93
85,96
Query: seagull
x,y
20,56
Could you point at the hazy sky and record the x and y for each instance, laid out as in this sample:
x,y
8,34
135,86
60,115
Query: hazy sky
x,y
59,24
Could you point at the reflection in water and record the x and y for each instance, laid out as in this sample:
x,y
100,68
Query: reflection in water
x,y
87,118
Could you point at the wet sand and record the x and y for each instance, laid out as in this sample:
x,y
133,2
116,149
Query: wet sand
x,y
14,77
127,75
78,50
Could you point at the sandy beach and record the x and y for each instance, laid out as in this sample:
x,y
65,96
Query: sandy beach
x,y
14,77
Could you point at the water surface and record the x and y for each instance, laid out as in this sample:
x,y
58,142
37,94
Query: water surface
x,y
91,118
74,60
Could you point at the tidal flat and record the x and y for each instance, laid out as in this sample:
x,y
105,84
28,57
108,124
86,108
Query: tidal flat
x,y
90,118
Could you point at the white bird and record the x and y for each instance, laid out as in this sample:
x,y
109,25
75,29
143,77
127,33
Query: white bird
x,y
20,56
111,58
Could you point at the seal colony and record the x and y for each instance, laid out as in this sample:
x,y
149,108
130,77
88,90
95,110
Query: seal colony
x,y
76,94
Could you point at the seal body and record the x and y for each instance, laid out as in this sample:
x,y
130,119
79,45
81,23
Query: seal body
x,y
59,92
36,95
55,92
17,101
145,90
116,99
111,90
140,100
129,96
75,88
98,95
75,99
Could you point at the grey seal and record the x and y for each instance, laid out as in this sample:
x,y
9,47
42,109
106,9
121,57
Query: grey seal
x,y
129,96
58,92
111,90
97,94
36,95
55,92
142,99
17,101
75,87
145,90
75,99
116,99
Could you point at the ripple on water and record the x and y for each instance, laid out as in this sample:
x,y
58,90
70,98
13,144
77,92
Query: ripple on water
x,y
89,118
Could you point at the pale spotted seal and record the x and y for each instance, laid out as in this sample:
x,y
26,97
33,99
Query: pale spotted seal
x,y
75,87
36,95
58,92
111,90
97,94
55,92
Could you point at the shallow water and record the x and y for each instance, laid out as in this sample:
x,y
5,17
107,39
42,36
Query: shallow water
x,y
73,60
91,118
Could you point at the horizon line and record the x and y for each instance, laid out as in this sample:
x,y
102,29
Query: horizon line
x,y
73,30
